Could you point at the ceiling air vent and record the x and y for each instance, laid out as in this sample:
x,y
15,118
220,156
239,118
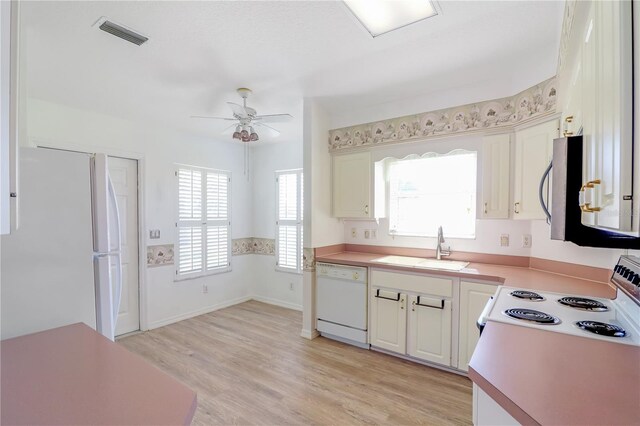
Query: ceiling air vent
x,y
123,33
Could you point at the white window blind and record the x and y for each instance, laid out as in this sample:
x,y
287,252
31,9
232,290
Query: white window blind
x,y
289,239
204,224
431,191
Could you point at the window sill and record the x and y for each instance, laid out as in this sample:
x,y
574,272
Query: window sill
x,y
288,271
207,274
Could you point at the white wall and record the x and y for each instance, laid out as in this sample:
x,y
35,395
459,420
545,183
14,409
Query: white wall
x,y
167,301
267,284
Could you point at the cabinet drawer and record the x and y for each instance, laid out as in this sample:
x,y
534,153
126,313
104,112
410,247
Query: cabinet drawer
x,y
414,283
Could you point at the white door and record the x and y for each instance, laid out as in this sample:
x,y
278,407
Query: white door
x,y
124,176
388,320
429,336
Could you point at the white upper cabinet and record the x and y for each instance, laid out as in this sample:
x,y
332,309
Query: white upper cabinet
x,y
495,176
607,104
354,194
534,150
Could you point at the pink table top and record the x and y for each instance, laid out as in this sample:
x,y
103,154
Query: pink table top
x,y
74,375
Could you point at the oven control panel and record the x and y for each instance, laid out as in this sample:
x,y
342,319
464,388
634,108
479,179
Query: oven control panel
x,y
626,276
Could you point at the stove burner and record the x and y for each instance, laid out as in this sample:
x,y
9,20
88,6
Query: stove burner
x,y
531,315
602,328
584,304
528,295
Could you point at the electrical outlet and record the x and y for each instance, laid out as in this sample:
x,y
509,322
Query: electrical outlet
x,y
291,286
367,234
504,240
354,233
526,240
205,288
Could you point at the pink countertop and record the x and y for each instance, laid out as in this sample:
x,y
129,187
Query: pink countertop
x,y
508,275
74,375
541,377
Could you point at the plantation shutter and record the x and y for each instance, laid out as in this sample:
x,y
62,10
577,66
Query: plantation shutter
x,y
289,221
203,221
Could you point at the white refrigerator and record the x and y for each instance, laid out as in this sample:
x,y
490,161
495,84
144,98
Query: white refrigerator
x,y
62,265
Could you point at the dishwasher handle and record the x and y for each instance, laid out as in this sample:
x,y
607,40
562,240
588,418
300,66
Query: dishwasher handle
x,y
397,299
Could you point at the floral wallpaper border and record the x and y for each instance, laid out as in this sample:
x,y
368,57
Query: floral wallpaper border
x,y
534,102
565,35
308,260
160,255
253,245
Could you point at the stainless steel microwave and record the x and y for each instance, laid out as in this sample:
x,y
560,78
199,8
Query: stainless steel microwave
x,y
565,215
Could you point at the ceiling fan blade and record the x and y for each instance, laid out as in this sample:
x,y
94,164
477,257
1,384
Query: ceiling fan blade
x,y
214,118
229,130
273,118
269,130
238,110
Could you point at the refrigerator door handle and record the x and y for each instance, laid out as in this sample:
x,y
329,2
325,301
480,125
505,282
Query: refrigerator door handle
x,y
117,253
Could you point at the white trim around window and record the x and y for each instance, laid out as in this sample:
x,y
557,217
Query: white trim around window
x,y
203,222
289,220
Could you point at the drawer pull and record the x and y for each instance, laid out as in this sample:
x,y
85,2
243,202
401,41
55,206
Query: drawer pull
x,y
431,306
397,299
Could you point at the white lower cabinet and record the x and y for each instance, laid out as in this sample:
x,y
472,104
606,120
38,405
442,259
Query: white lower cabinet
x,y
388,320
487,412
411,315
473,298
429,329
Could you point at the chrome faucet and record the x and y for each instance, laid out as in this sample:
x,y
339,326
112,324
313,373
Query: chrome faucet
x,y
439,250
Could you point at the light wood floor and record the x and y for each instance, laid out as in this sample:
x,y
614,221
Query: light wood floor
x,y
249,365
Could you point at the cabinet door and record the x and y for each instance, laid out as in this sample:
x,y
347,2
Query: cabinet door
x,y
473,298
352,186
429,329
608,141
534,149
388,320
495,176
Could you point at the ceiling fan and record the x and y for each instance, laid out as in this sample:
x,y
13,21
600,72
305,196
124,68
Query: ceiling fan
x,y
247,118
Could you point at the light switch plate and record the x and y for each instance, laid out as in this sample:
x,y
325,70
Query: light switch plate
x,y
154,234
504,240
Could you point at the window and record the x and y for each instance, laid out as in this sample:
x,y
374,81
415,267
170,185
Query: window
x,y
204,226
433,190
289,220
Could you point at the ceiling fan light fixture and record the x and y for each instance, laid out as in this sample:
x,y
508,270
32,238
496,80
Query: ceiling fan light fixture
x,y
253,137
244,134
236,134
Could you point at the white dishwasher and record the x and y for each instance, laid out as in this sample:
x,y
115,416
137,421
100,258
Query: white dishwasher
x,y
341,303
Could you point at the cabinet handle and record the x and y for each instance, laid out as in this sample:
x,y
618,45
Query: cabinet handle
x,y
516,208
485,208
569,119
567,133
585,205
431,306
387,298
366,209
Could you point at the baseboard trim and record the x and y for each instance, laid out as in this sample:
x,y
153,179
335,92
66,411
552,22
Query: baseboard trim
x,y
276,302
309,334
191,314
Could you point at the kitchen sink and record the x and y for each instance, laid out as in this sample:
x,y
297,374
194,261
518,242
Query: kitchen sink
x,y
420,262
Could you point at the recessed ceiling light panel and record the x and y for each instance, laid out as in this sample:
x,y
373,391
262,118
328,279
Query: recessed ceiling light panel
x,y
382,16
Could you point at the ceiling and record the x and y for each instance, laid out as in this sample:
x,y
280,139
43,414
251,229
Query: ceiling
x,y
199,52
